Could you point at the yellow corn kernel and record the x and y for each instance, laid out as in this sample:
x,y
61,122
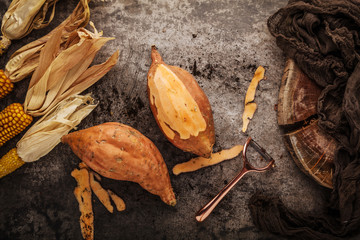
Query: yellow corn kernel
x,y
19,120
10,162
6,86
4,44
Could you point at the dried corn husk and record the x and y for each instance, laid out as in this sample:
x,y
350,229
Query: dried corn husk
x,y
24,61
68,73
46,133
23,16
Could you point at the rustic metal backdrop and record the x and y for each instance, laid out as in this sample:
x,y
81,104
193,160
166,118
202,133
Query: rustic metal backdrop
x,y
221,43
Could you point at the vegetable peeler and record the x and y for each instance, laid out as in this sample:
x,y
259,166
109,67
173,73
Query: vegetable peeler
x,y
204,212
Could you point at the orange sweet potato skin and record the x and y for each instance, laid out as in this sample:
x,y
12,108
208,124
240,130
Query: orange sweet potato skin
x,y
120,152
202,144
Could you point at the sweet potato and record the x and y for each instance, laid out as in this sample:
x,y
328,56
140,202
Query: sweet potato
x,y
120,152
180,107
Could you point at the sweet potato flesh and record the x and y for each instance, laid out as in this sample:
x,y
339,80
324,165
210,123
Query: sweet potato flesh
x,y
176,108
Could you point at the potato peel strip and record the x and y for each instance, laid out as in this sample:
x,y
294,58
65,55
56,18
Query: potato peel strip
x,y
201,162
119,203
250,106
101,193
83,195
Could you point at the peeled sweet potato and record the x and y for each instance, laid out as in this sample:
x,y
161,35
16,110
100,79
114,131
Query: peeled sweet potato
x,y
180,107
120,152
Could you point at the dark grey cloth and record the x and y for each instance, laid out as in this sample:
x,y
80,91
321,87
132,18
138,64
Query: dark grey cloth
x,y
323,37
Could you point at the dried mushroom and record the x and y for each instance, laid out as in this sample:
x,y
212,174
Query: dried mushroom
x,y
311,148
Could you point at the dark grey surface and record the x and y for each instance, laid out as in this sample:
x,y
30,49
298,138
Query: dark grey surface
x,y
221,43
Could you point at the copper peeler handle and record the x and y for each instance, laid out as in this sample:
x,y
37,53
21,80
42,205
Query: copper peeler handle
x,y
204,212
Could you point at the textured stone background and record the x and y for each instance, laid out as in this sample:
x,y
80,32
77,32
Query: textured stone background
x,y
221,43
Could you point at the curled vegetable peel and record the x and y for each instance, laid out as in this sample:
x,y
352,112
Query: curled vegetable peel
x,y
201,162
250,105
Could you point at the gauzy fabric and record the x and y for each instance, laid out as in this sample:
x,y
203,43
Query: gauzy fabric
x,y
323,37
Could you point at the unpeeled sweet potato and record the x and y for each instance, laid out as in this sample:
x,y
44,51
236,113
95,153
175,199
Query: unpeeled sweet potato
x,y
120,152
180,107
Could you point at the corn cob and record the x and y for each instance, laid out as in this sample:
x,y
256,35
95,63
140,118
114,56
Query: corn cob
x,y
58,105
45,134
10,162
39,100
6,86
13,120
4,44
